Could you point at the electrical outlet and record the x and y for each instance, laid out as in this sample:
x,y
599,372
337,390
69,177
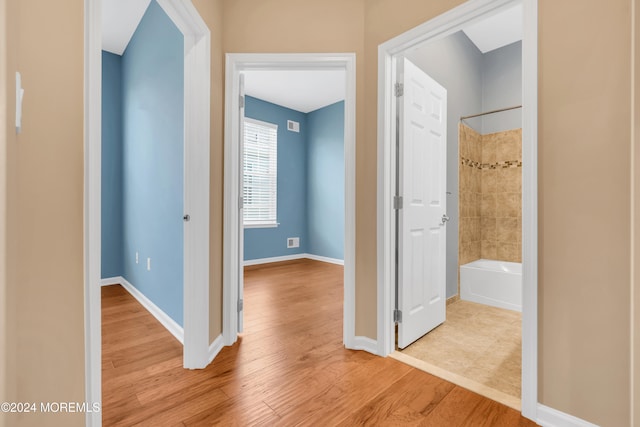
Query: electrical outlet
x,y
293,242
148,264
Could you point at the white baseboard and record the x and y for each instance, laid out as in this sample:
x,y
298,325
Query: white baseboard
x,y
366,344
215,348
291,258
111,281
273,259
162,317
325,259
549,417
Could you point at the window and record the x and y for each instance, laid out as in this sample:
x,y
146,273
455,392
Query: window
x,y
260,173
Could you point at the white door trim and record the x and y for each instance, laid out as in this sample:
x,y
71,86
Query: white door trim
x,y
436,28
235,63
196,236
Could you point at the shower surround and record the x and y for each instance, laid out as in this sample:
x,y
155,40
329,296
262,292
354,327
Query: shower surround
x,y
490,204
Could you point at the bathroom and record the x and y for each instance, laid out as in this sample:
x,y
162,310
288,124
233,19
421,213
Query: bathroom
x,y
479,344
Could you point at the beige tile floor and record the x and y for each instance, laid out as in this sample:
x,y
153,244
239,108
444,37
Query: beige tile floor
x,y
478,342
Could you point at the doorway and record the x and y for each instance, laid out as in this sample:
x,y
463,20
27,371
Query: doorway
x,y
196,187
236,65
436,29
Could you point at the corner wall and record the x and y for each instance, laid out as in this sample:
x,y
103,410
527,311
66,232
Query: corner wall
x,y
111,168
325,181
153,156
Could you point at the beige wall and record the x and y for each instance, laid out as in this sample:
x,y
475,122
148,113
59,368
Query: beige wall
x,y
211,12
636,219
584,179
585,175
3,200
45,209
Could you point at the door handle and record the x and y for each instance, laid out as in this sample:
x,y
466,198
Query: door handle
x,y
445,218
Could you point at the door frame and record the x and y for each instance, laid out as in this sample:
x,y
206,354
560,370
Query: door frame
x,y
439,27
235,64
196,189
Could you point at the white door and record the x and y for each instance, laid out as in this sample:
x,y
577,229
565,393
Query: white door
x,y
240,302
422,186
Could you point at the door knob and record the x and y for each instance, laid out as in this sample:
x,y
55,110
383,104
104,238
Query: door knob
x,y
445,218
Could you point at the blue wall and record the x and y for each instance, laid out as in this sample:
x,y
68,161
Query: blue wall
x,y
325,181
310,183
151,162
112,243
292,206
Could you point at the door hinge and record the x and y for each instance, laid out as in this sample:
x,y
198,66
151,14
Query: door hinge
x,y
240,305
397,202
240,202
397,316
398,89
241,101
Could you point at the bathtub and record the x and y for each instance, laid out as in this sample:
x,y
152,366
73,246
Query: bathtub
x,y
496,283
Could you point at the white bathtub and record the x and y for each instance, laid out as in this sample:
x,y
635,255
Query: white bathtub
x,y
496,283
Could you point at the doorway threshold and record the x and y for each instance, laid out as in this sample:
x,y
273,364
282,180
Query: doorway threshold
x,y
476,387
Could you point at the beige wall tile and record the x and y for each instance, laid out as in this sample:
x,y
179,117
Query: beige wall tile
x,y
475,229
488,206
509,180
488,249
510,146
509,205
507,230
509,252
488,229
488,150
489,182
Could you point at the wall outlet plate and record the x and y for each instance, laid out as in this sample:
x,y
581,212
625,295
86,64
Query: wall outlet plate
x,y
293,242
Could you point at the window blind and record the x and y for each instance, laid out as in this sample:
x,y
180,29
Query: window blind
x,y
260,173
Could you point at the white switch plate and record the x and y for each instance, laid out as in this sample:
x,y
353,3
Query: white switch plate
x,y
149,264
137,258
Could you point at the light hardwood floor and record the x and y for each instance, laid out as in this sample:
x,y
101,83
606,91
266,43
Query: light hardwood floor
x,y
288,368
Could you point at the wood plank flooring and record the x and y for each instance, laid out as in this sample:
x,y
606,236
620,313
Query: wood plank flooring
x,y
288,368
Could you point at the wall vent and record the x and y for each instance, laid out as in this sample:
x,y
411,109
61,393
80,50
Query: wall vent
x,y
293,126
293,242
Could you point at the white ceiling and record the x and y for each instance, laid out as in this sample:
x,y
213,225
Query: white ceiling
x,y
496,31
300,90
120,18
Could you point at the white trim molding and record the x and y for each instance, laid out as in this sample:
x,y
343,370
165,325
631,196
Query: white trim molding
x,y
169,324
365,343
259,261
549,417
437,28
197,89
92,206
235,64
324,259
215,348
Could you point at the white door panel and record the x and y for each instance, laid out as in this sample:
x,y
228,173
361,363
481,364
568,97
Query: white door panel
x,y
422,183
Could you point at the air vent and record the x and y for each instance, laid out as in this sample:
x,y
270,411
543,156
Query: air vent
x,y
293,126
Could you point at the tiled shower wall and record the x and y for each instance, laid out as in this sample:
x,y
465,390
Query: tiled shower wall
x,y
490,195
